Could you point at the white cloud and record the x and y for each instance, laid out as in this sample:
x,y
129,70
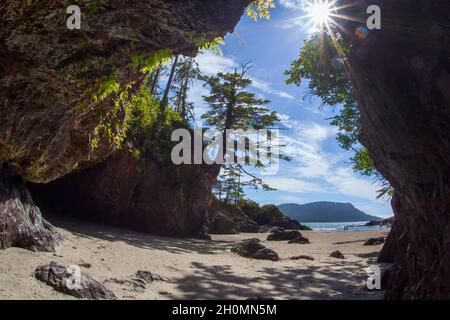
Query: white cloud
x,y
293,185
267,88
211,63
297,22
312,162
292,4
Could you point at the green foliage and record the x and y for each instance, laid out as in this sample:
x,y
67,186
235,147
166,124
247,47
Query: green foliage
x,y
232,107
146,128
260,9
187,72
214,46
109,126
146,63
321,63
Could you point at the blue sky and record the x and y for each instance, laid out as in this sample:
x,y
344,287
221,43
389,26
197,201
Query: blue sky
x,y
320,170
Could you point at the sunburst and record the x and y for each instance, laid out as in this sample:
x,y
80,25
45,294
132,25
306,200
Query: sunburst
x,y
319,13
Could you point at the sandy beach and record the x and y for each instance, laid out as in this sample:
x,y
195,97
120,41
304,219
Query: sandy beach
x,y
197,269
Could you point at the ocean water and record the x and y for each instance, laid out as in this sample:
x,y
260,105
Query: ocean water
x,y
341,226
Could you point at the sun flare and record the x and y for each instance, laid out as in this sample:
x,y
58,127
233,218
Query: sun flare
x,y
319,12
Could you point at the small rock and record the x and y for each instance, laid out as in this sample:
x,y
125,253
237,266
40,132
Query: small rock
x,y
164,293
301,240
374,241
266,254
60,278
253,248
337,254
304,257
86,265
149,276
284,235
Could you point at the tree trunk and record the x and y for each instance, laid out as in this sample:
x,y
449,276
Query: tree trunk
x,y
401,75
165,99
155,80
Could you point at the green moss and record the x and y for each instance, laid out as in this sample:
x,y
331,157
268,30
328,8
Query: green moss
x,y
146,63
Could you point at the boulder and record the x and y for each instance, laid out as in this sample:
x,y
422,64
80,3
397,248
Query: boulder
x,y
63,279
253,248
220,224
374,241
21,221
284,235
240,221
300,240
337,254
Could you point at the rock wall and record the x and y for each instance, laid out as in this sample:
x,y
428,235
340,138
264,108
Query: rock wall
x,y
401,75
145,195
51,77
58,87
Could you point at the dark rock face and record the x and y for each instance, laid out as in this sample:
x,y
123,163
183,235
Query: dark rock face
x,y
54,103
391,246
247,226
140,194
226,213
374,241
337,254
50,74
284,235
271,215
253,248
220,224
249,218
60,279
401,75
21,222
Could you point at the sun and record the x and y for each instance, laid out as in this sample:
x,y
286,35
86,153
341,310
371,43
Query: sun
x,y
319,12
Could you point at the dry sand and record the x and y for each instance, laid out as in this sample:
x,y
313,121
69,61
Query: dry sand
x,y
198,269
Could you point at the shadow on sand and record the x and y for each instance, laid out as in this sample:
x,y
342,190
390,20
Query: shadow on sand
x,y
331,280
93,231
